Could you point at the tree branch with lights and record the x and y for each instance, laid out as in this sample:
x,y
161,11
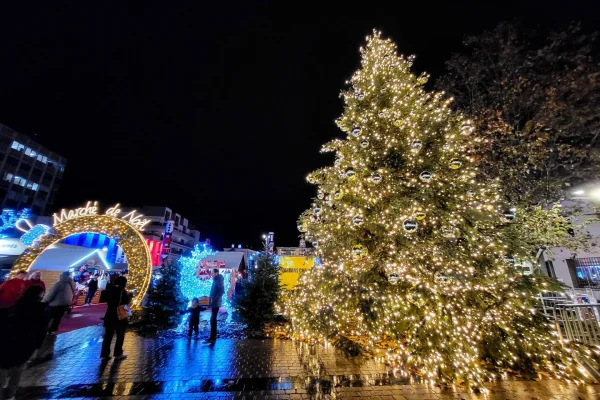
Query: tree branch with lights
x,y
411,240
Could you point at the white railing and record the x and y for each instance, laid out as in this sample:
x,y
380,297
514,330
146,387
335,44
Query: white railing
x,y
578,322
575,313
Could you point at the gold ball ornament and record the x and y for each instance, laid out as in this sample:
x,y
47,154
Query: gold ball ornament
x,y
455,163
359,251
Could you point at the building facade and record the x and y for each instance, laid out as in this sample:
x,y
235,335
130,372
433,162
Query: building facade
x,y
30,174
577,268
183,236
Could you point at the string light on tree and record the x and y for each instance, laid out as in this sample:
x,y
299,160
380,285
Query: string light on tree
x,y
448,293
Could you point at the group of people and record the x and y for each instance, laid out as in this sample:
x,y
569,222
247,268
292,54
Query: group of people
x,y
28,313
24,316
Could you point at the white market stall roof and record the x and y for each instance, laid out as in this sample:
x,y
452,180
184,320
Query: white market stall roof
x,y
232,259
61,257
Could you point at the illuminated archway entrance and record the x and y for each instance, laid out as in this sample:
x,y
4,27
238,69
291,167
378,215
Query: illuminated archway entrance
x,y
124,231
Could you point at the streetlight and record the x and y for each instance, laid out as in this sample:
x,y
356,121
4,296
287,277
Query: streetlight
x,y
265,238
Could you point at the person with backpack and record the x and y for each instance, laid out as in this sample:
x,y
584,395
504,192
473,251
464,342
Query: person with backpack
x,y
116,318
59,299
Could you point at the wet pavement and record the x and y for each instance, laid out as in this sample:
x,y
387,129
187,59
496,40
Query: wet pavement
x,y
69,367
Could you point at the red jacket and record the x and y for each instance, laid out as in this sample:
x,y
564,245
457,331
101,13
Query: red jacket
x,y
11,291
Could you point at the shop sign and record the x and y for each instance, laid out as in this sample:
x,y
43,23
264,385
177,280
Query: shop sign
x,y
91,208
213,264
271,243
11,247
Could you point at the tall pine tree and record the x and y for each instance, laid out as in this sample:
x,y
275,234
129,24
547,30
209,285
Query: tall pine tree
x,y
261,292
410,239
165,299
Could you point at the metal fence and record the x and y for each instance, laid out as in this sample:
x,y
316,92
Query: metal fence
x,y
578,322
575,314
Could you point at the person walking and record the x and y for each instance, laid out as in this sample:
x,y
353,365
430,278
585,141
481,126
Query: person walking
x,y
216,300
59,299
116,297
35,279
92,288
20,338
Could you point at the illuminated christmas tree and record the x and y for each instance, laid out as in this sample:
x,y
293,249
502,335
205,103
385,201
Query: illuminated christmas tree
x,y
410,239
191,284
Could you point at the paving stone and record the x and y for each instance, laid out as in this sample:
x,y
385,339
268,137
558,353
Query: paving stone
x,y
69,367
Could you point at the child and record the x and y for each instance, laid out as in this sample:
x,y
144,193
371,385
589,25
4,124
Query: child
x,y
194,321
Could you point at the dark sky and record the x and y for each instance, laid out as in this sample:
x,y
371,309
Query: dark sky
x,y
215,110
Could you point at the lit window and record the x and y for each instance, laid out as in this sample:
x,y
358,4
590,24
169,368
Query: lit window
x,y
8,177
45,160
28,151
15,145
20,181
35,186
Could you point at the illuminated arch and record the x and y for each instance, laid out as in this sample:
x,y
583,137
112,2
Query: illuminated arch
x,y
128,237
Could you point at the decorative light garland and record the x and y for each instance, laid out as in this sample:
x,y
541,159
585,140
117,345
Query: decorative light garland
x,y
191,285
139,261
414,257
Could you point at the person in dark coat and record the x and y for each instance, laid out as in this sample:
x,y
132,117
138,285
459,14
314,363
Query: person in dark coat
x,y
194,320
117,296
216,300
92,288
21,334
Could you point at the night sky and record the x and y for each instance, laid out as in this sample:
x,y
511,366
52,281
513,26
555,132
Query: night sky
x,y
217,111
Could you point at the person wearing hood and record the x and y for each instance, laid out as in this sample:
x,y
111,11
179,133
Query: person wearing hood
x,y
216,300
59,299
35,279
20,337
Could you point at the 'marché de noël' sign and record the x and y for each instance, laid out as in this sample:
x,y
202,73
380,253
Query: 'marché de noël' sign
x,y
91,208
